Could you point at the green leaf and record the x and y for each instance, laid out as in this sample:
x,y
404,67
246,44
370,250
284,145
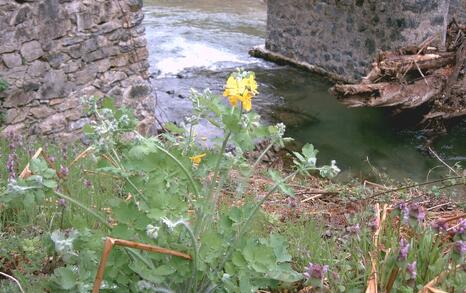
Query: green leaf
x,y
277,179
284,273
37,166
88,130
232,122
173,128
164,270
309,151
109,103
65,278
28,200
52,184
126,212
280,246
259,257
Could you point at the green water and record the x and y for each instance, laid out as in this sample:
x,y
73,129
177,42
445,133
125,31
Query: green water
x,y
195,44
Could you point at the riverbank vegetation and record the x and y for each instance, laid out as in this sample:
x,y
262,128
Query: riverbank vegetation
x,y
127,213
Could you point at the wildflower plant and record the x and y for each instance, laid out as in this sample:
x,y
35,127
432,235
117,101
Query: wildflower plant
x,y
167,193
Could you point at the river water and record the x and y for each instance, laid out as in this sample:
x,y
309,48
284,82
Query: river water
x,y
197,43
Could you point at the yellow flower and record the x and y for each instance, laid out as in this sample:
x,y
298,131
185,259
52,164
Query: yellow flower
x,y
197,159
246,100
252,84
241,88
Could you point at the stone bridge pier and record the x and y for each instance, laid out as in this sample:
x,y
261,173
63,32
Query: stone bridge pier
x,y
341,37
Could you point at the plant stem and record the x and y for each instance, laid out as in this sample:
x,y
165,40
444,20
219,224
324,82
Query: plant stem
x,y
87,209
245,225
259,159
193,281
413,185
183,168
213,184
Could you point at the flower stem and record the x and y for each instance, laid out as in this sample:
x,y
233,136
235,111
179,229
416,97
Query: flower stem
x,y
183,168
245,225
87,209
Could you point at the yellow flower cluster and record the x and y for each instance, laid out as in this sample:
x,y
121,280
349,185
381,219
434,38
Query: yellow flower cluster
x,y
197,159
241,87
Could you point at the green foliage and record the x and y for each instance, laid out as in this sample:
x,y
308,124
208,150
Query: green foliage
x,y
165,198
3,85
167,191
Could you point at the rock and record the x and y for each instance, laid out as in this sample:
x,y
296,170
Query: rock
x,y
31,86
103,65
90,45
135,5
293,117
120,60
12,60
38,68
15,128
74,114
57,59
15,115
116,91
68,103
54,85
18,98
21,15
78,124
52,124
111,77
84,21
42,112
31,51
71,66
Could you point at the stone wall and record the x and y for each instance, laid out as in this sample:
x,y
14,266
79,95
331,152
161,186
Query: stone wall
x,y
458,9
342,36
53,52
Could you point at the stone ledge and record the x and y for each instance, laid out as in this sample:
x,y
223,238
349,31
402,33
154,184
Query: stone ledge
x,y
261,52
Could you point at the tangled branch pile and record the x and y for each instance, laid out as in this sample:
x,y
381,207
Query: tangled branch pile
x,y
416,75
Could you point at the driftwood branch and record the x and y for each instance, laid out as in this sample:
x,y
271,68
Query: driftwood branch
x,y
111,242
413,76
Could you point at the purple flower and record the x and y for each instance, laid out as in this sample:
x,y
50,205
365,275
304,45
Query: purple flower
x,y
411,268
460,228
404,211
52,159
64,171
87,183
417,212
61,203
316,272
10,165
374,224
404,250
355,229
291,202
440,226
460,247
